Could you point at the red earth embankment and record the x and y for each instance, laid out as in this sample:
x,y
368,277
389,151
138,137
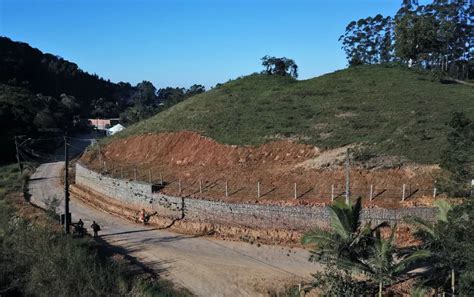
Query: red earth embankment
x,y
185,159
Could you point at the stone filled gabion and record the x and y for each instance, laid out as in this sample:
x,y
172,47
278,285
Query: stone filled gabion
x,y
256,216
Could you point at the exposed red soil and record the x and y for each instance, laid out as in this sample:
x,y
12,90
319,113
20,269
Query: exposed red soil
x,y
186,157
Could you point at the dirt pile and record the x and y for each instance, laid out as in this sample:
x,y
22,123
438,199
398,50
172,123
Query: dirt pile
x,y
192,165
192,149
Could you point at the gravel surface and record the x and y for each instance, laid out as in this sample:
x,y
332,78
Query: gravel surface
x,y
205,266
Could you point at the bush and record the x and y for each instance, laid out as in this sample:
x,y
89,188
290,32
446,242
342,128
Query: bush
x,y
450,242
334,282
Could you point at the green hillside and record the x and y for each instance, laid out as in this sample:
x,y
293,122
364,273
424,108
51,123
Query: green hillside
x,y
395,110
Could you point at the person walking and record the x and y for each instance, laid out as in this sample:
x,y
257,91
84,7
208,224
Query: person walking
x,y
142,216
96,228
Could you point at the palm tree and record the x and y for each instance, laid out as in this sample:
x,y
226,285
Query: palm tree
x,y
436,237
386,262
353,246
347,242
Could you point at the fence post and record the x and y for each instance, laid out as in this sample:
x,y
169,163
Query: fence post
x,y
135,172
179,186
200,186
371,192
403,192
332,192
121,172
258,189
161,179
149,175
226,190
453,282
434,190
348,184
295,191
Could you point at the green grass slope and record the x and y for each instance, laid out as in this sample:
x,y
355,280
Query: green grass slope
x,y
394,110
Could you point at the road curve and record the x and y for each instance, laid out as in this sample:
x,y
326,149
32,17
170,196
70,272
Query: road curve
x,y
205,266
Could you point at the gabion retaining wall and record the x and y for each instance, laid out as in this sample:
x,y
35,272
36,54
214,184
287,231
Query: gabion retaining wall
x,y
256,216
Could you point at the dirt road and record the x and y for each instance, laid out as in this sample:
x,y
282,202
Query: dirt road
x,y
205,266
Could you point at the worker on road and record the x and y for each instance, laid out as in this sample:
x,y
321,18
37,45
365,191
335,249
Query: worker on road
x,y
141,216
96,228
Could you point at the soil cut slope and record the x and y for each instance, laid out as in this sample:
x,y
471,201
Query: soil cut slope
x,y
184,160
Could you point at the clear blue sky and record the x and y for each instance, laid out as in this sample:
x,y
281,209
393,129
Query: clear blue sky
x,y
178,43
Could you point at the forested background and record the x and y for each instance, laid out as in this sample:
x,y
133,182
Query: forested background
x,y
42,95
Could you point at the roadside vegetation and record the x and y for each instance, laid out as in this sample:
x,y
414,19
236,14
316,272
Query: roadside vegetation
x,y
37,259
358,260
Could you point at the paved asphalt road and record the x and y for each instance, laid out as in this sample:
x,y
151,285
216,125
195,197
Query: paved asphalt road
x,y
205,266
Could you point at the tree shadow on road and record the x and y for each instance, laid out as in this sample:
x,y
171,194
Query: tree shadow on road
x,y
154,268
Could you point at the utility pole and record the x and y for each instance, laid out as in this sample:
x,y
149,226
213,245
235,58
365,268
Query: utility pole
x,y
347,177
100,155
18,156
67,221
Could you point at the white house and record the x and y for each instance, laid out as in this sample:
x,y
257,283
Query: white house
x,y
115,129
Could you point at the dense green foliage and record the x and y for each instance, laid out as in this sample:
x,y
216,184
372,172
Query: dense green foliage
x,y
435,36
23,113
391,108
279,66
147,101
36,260
358,260
450,241
458,157
42,94
351,247
27,67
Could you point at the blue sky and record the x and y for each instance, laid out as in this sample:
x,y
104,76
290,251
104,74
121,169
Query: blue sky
x,y
179,43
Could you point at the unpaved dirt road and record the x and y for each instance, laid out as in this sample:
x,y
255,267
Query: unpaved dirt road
x,y
205,266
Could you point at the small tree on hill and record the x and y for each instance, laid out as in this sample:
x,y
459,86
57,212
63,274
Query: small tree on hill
x,y
281,66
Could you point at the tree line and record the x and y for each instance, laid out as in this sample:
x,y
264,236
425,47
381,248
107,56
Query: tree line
x,y
436,36
147,100
43,94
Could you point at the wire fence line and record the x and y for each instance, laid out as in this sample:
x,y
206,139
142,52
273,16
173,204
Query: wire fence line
x,y
296,217
221,187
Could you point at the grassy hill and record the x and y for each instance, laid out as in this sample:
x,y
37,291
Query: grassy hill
x,y
393,110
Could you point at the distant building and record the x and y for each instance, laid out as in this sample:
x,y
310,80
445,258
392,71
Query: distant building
x,y
103,124
114,129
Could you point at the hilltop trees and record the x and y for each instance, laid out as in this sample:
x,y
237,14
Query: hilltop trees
x,y
369,40
435,36
280,66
